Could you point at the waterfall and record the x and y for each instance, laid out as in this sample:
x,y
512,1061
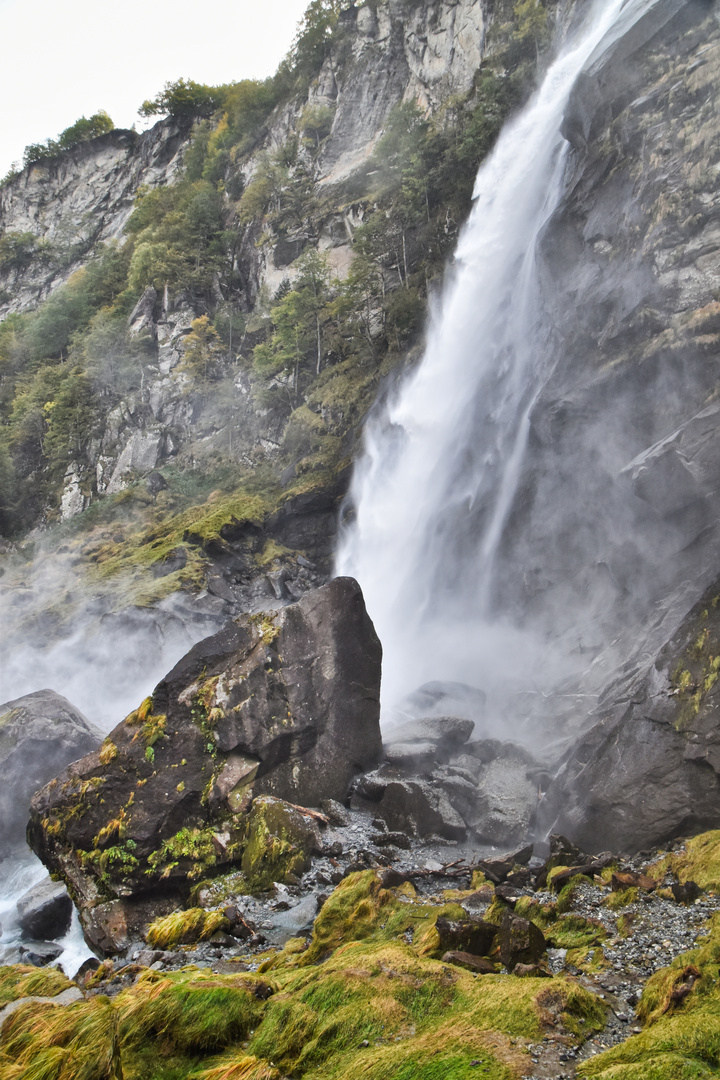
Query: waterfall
x,y
442,459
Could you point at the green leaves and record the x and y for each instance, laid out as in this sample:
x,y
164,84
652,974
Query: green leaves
x,y
82,130
184,99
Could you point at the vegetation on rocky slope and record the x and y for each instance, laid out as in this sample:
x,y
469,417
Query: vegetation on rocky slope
x,y
312,354
371,994
369,997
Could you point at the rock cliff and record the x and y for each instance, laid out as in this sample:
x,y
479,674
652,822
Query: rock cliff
x,y
70,203
118,401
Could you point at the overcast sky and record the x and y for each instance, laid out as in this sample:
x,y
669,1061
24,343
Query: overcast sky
x,y
63,60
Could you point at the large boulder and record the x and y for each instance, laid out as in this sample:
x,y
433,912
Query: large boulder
x,y
282,703
40,734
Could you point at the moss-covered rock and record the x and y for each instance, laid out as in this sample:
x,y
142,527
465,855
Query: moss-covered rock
x,y
284,703
279,840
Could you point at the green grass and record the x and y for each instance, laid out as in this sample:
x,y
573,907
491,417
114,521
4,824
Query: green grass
x,y
364,1000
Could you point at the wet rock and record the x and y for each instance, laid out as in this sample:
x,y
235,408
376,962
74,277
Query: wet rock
x,y
45,910
507,798
687,892
445,733
630,880
649,769
443,698
110,927
39,953
479,964
40,734
155,482
277,580
282,703
472,935
86,969
148,957
478,900
499,868
484,750
219,587
335,812
520,941
415,807
397,839
587,869
531,971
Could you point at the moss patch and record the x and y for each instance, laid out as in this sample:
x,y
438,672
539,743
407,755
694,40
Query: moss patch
x,y
278,842
21,980
365,1000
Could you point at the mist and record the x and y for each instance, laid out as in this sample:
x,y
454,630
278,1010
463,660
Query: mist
x,y
62,635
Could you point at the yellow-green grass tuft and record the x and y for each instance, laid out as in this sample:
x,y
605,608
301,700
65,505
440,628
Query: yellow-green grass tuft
x,y
185,928
190,1012
22,980
241,1066
53,1042
698,862
621,899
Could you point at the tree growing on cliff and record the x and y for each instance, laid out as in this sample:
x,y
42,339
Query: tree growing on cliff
x,y
204,351
83,129
184,99
296,342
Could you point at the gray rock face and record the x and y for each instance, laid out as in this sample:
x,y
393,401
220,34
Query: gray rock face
x,y
488,790
614,534
649,769
443,698
423,54
428,740
79,198
40,734
507,797
45,911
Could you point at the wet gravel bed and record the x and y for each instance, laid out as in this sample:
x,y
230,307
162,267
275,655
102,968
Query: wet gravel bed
x,y
655,930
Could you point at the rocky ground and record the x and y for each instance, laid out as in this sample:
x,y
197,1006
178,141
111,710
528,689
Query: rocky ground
x,y
611,928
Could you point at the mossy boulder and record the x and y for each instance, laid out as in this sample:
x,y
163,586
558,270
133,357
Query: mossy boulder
x,y
279,703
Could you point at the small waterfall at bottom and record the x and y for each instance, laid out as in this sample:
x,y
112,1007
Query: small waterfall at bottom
x,y
436,486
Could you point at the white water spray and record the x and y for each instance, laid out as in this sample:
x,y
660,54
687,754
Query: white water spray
x,y
435,488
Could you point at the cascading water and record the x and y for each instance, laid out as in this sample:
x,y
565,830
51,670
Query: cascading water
x,y
436,485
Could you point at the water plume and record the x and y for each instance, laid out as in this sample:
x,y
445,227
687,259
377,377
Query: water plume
x,y
442,472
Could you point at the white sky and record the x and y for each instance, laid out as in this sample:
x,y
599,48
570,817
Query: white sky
x,y
63,59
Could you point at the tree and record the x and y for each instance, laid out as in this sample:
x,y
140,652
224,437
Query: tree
x,y
316,122
531,21
296,342
83,129
203,353
185,99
